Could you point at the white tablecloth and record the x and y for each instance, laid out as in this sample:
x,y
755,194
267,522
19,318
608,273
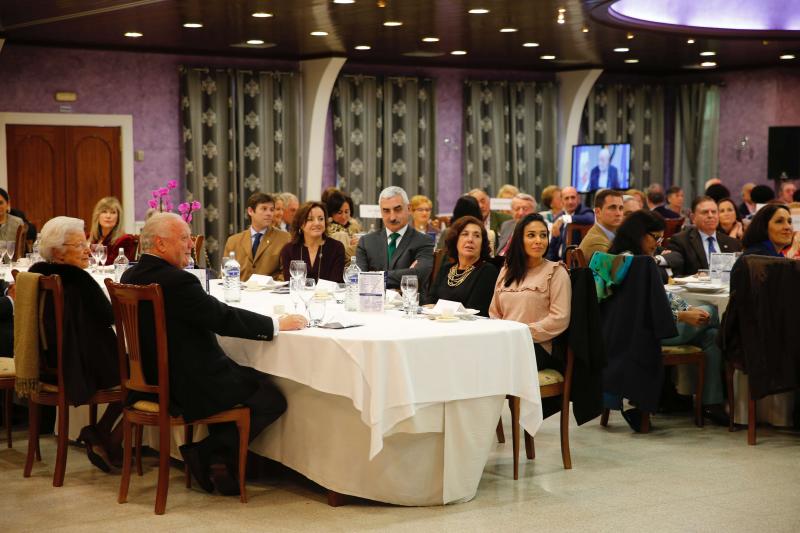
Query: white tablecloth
x,y
398,410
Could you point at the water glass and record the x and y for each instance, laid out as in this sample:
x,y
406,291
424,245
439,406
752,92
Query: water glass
x,y
409,287
295,290
307,289
411,304
297,269
316,311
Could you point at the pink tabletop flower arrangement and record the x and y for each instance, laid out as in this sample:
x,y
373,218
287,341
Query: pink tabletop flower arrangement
x,y
162,202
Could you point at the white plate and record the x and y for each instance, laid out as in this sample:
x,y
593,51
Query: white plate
x,y
467,312
447,319
704,287
253,289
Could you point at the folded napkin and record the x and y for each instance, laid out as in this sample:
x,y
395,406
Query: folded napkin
x,y
259,280
392,295
26,334
448,307
324,285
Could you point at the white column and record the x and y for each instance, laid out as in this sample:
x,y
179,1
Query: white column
x,y
319,76
573,89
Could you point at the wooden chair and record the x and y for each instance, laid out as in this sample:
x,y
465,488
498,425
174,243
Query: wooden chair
x,y
7,378
21,244
751,404
137,252
125,300
575,258
678,355
672,226
438,260
574,233
198,241
56,395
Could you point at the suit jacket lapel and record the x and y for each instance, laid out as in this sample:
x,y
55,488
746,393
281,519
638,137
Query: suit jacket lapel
x,y
697,244
383,250
263,245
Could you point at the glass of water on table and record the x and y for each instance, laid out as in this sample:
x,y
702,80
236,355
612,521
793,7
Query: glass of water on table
x,y
409,286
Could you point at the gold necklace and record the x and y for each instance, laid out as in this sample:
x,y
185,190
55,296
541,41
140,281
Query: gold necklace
x,y
454,279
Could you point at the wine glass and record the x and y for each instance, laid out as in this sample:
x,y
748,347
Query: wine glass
x,y
10,247
409,286
294,292
2,254
297,269
307,289
102,254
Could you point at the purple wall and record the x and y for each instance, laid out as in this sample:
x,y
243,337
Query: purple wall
x,y
750,102
144,85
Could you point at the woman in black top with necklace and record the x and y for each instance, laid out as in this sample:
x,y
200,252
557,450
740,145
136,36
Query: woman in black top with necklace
x,y
468,277
324,256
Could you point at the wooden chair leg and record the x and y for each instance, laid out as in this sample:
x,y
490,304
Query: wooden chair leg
x,y
8,412
33,437
336,499
61,446
698,394
93,414
243,424
127,444
751,420
188,438
731,400
514,403
566,458
530,447
163,468
139,431
501,437
645,422
604,417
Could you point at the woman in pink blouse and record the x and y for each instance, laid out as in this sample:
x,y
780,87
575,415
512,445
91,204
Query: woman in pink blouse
x,y
532,290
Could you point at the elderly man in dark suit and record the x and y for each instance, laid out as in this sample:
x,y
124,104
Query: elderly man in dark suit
x,y
398,249
691,249
203,380
604,175
521,204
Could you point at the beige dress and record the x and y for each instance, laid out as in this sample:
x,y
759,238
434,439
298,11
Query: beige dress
x,y
542,301
8,231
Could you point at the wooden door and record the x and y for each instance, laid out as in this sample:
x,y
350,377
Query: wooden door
x,y
62,170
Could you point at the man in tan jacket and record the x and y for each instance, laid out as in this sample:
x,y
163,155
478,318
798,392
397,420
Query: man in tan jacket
x,y
258,248
608,209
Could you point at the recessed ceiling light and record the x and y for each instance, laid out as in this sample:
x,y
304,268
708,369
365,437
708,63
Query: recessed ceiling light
x,y
392,23
262,15
192,25
508,30
629,36
689,41
363,46
562,10
548,57
788,56
459,52
622,49
708,64
585,29
255,41
134,34
478,11
530,45
344,1
708,53
430,39
560,21
631,60
319,33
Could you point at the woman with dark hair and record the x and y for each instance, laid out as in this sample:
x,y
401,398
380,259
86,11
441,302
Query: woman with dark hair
x,y
640,234
466,205
730,220
468,277
341,225
532,290
324,256
770,232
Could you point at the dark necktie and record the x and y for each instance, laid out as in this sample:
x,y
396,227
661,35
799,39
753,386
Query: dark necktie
x,y
256,242
711,248
393,244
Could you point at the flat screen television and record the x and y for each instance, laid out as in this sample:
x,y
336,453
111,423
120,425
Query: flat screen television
x,y
601,166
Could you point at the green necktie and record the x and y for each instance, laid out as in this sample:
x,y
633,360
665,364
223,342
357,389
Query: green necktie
x,y
393,244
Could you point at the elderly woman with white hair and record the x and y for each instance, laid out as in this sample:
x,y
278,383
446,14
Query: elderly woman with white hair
x,y
90,360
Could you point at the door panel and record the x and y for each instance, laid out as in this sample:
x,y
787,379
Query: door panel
x,y
93,168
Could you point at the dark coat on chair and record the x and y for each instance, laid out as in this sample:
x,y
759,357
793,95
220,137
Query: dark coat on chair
x,y
635,319
372,255
688,253
6,323
203,380
90,358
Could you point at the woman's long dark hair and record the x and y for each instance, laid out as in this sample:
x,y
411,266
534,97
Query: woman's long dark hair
x,y
516,257
466,206
633,229
758,230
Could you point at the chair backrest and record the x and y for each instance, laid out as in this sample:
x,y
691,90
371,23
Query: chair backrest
x,y
672,226
438,259
198,241
126,301
21,246
574,233
136,251
51,290
575,258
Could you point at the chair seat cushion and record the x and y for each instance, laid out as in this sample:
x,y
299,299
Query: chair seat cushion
x,y
549,376
147,407
7,368
681,349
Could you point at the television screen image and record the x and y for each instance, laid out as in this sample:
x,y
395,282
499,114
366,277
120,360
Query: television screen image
x,y
601,166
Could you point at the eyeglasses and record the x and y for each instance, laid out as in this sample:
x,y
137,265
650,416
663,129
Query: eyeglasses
x,y
423,209
657,238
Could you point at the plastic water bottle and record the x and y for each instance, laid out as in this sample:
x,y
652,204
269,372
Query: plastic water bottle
x,y
351,273
230,279
120,265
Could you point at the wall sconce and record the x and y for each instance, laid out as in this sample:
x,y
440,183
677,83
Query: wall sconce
x,y
743,146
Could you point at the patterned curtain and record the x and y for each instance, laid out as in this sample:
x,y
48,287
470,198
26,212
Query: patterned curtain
x,y
384,135
510,135
207,117
268,137
240,134
629,114
696,137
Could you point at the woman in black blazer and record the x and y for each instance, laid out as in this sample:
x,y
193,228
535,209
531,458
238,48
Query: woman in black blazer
x,y
324,256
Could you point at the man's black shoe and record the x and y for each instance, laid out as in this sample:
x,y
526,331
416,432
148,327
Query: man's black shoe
x,y
197,466
225,480
716,414
634,419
